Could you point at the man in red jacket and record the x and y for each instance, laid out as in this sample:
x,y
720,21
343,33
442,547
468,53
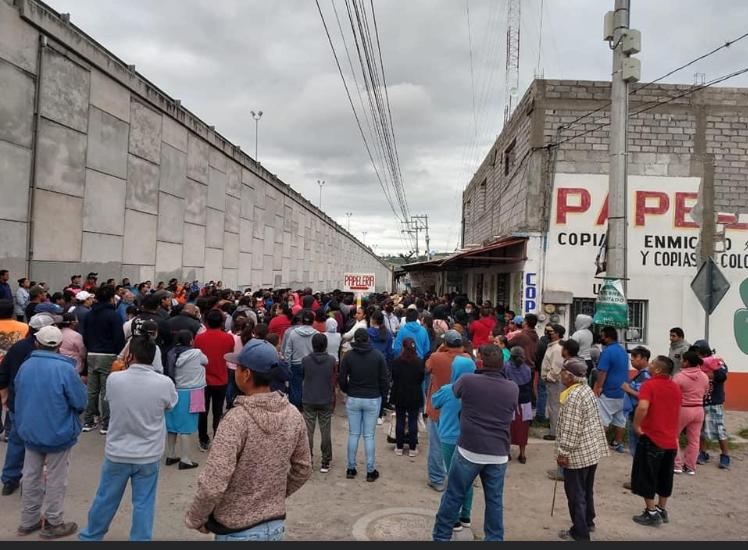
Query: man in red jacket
x,y
214,343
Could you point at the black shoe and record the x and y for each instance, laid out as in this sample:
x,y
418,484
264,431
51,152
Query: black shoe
x,y
457,526
465,522
591,528
204,446
25,531
372,476
350,473
185,466
663,514
10,487
650,518
549,437
171,461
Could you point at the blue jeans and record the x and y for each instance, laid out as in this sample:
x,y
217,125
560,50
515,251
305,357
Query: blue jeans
x,y
542,399
461,476
295,384
435,463
270,530
114,478
15,452
362,420
633,438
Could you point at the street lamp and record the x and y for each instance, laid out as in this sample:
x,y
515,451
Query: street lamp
x,y
364,234
348,215
321,184
257,116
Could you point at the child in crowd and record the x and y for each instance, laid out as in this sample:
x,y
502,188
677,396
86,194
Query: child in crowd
x,y
187,365
714,414
693,385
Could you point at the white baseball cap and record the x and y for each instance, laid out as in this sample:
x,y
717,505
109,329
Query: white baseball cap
x,y
41,320
82,296
49,337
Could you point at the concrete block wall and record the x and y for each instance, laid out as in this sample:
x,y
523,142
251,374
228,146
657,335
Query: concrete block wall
x,y
129,183
670,139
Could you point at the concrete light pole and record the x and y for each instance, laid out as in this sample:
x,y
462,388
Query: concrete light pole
x,y
257,116
348,215
364,234
619,110
321,184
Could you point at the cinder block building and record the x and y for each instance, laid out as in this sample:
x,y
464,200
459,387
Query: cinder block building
x,y
102,171
535,212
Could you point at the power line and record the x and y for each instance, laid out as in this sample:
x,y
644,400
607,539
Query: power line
x,y
655,104
350,100
670,73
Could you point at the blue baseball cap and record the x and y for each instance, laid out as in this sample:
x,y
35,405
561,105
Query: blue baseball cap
x,y
257,356
518,320
48,307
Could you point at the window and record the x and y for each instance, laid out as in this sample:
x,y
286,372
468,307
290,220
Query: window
x,y
509,157
638,316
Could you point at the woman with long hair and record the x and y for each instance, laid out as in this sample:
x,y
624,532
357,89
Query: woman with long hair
x,y
518,371
281,322
363,377
408,373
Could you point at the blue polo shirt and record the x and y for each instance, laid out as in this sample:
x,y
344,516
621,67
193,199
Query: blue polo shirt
x,y
615,361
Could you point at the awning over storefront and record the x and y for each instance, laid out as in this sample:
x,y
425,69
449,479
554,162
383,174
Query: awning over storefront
x,y
506,250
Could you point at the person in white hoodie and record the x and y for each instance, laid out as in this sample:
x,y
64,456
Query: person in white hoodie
x,y
334,338
188,370
584,337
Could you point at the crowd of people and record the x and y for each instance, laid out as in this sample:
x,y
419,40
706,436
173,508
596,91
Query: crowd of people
x,y
149,366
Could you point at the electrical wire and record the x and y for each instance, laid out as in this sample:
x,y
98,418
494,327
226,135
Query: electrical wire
x,y
654,105
355,114
655,81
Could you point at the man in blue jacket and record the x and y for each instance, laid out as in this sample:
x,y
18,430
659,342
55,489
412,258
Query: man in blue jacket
x,y
49,398
104,339
9,366
412,329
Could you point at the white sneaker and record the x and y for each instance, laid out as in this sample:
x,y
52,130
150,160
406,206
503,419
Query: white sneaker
x,y
412,453
398,452
380,421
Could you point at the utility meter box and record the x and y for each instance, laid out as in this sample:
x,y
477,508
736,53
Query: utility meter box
x,y
631,69
631,43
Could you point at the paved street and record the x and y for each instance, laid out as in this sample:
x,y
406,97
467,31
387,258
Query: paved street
x,y
710,506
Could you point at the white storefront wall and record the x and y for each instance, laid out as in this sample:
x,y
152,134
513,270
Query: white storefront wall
x,y
662,258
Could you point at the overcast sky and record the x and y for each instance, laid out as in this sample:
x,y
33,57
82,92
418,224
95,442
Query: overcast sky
x,y
224,58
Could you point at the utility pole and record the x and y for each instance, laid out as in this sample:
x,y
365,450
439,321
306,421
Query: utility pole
x,y
321,184
424,226
348,215
623,42
257,116
410,231
364,234
511,77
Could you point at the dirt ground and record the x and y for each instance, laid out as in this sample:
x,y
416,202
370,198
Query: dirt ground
x,y
712,505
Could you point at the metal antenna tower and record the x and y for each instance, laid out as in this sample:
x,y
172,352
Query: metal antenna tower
x,y
511,78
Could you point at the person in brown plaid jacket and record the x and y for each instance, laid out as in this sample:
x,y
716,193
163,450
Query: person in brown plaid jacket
x,y
580,444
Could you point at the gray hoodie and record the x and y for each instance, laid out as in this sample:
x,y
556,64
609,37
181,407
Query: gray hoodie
x,y
297,343
333,338
676,352
190,369
583,335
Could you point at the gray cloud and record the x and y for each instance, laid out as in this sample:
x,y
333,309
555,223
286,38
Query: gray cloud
x,y
223,59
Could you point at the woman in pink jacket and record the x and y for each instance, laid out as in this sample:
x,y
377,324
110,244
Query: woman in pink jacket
x,y
693,384
72,343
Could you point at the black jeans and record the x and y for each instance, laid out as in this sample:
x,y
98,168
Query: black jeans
x,y
579,484
214,399
400,413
